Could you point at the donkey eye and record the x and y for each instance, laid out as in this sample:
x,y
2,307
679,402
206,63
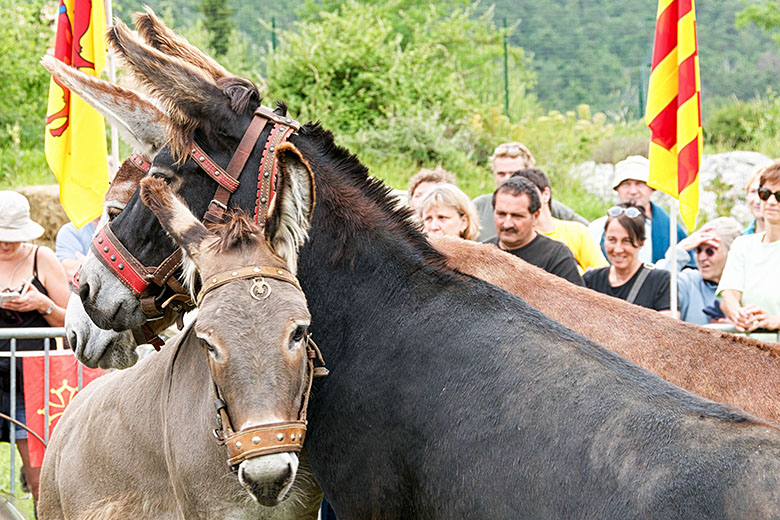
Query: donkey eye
x,y
159,174
208,346
299,333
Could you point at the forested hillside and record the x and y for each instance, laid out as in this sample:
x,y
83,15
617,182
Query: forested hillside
x,y
595,50
582,51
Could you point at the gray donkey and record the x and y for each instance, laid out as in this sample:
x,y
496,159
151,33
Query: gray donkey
x,y
140,443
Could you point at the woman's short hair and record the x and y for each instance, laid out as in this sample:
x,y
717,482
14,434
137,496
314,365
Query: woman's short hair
x,y
450,195
437,175
727,230
634,226
770,174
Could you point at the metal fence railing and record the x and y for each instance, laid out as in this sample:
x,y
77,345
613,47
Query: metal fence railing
x,y
51,347
760,334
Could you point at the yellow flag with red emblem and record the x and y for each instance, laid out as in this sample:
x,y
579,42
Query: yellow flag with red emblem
x,y
75,139
674,107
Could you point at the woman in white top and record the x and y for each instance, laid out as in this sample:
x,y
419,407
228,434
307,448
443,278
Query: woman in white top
x,y
750,284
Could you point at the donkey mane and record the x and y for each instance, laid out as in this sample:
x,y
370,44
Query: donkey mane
x,y
362,202
235,230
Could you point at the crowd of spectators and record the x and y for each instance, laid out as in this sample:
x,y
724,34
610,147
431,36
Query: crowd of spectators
x,y
628,253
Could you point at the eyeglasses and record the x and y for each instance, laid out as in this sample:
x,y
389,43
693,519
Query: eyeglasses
x,y
764,194
706,250
631,211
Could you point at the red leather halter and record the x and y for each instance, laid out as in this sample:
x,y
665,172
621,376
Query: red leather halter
x,y
135,275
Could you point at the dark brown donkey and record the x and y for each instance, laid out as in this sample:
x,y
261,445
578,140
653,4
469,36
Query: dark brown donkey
x,y
140,443
717,365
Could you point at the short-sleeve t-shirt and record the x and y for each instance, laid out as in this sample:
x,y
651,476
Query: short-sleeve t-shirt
x,y
752,269
551,255
576,237
71,240
654,294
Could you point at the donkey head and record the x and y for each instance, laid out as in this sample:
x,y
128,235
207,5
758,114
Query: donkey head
x,y
211,112
142,125
252,327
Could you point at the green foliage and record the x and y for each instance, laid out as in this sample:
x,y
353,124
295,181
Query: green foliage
x,y
387,94
728,125
765,16
23,166
598,52
219,24
24,36
753,125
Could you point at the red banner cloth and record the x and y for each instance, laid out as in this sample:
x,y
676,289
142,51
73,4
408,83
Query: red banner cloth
x,y
63,387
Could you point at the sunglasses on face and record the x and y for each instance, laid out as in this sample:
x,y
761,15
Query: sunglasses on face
x,y
764,194
709,251
630,212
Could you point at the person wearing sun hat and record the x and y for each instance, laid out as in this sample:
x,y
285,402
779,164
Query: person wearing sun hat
x,y
630,183
33,293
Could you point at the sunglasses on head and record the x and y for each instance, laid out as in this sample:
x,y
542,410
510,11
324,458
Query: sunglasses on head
x,y
512,150
764,194
630,212
707,250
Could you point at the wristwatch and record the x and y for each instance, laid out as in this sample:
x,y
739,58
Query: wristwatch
x,y
48,310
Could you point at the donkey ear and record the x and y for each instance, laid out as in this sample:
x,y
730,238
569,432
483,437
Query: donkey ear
x,y
186,91
140,122
175,217
290,217
157,35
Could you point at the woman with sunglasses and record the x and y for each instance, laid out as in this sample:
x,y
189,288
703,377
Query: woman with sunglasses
x,y
628,278
33,293
696,287
750,284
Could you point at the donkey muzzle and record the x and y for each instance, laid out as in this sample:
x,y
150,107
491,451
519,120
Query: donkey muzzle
x,y
268,478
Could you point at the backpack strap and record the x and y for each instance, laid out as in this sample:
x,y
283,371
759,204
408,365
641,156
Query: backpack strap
x,y
639,282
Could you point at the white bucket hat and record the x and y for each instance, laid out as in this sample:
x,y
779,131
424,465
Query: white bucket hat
x,y
634,167
15,222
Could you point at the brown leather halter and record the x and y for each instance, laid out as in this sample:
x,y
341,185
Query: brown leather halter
x,y
138,277
263,439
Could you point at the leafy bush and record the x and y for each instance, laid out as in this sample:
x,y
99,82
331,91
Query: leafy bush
x,y
393,83
24,36
729,125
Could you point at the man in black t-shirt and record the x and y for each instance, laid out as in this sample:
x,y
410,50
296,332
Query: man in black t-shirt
x,y
516,205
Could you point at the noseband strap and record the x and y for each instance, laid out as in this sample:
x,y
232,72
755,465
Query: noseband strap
x,y
263,439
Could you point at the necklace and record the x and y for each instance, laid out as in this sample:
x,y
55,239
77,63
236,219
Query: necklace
x,y
16,268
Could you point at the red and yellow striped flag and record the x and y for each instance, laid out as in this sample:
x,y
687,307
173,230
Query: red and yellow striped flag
x,y
674,107
75,139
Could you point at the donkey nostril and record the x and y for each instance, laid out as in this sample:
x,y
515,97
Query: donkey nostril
x,y
84,291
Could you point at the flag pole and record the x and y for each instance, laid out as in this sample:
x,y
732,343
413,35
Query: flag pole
x,y
112,78
673,242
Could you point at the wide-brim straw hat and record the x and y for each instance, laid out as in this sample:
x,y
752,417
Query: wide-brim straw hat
x,y
15,222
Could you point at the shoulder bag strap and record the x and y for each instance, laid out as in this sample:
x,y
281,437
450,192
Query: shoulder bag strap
x,y
638,283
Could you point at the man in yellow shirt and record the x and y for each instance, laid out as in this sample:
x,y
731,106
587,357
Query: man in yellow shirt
x,y
574,234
